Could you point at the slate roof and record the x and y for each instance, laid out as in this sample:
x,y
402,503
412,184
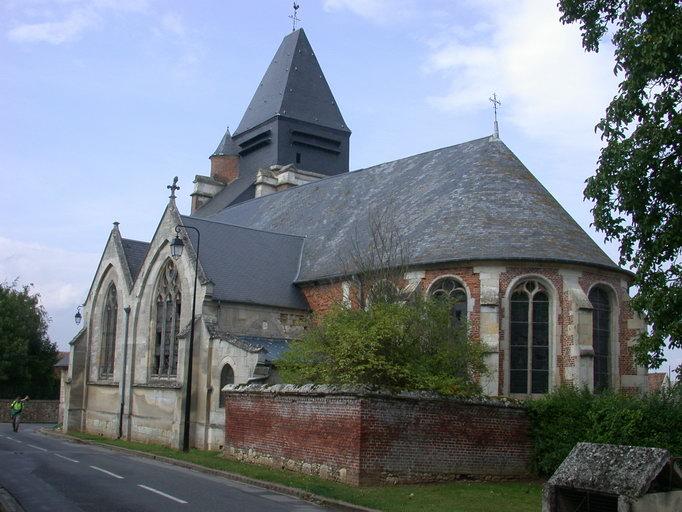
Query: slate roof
x,y
247,265
63,361
468,202
293,86
242,186
134,251
273,347
227,146
622,470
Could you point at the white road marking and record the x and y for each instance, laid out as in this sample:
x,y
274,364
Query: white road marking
x,y
162,493
36,447
107,472
12,439
65,458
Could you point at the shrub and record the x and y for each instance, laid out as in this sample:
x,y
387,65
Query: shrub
x,y
568,416
411,346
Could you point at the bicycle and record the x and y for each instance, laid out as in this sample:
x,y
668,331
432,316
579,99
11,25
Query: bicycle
x,y
17,407
16,419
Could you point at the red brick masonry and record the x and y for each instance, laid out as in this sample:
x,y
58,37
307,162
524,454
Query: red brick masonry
x,y
360,437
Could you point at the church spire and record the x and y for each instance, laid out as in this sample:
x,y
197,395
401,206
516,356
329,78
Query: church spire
x,y
294,87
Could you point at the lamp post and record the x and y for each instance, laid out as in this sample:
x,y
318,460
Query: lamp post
x,y
177,246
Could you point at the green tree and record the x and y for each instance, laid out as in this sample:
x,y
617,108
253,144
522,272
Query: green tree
x,y
411,346
27,356
637,188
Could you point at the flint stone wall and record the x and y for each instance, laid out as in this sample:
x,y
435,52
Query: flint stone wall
x,y
359,436
35,411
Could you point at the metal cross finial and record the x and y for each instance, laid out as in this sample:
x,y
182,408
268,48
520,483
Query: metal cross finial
x,y
294,18
173,187
496,103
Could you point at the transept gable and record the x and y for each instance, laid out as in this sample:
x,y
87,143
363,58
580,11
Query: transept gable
x,y
113,257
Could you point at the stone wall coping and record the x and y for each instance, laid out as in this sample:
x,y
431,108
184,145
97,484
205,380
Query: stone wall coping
x,y
110,383
154,384
32,401
318,390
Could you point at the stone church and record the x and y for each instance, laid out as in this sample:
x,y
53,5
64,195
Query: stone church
x,y
272,223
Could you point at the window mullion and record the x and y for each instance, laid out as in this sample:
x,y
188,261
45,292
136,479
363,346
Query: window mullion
x,y
171,350
162,347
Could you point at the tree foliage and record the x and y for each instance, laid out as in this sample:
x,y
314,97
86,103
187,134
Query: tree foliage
x,y
637,188
408,346
27,356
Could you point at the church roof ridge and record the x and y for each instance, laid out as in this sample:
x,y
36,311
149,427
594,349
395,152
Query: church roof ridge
x,y
134,240
356,172
227,224
293,86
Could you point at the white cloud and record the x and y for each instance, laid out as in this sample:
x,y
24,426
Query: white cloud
x,y
68,20
56,32
61,277
377,11
548,85
172,22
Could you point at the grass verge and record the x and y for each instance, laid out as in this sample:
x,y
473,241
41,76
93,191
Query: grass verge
x,y
461,496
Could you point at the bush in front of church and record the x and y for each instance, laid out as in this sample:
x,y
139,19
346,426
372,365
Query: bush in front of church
x,y
396,346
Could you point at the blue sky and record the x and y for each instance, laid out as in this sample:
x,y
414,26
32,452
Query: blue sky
x,y
102,102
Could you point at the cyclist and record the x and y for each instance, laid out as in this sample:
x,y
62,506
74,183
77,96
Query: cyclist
x,y
16,408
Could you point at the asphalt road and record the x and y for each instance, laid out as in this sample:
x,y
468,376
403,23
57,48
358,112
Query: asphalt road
x,y
44,473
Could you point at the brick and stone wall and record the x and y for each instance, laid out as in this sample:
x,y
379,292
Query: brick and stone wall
x,y
361,437
35,411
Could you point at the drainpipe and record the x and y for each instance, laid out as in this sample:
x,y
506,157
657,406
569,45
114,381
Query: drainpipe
x,y
123,374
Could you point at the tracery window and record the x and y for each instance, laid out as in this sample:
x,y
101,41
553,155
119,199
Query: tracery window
x,y
529,339
601,335
168,303
383,291
108,344
450,288
226,377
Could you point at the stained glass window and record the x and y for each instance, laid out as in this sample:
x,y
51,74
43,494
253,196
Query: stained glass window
x,y
601,335
529,339
451,289
108,346
168,304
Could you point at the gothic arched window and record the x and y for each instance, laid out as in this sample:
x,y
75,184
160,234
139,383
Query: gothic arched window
x,y
108,344
168,302
451,289
226,377
601,336
529,339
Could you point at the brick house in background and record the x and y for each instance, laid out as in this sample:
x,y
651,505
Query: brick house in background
x,y
277,215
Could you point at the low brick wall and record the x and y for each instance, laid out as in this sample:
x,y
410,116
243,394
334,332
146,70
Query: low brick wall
x,y
35,411
362,437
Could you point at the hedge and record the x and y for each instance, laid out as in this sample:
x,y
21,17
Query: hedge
x,y
568,416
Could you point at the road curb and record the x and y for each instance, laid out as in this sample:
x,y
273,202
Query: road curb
x,y
283,489
8,503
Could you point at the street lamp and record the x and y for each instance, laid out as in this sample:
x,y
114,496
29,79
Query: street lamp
x,y
177,246
78,316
